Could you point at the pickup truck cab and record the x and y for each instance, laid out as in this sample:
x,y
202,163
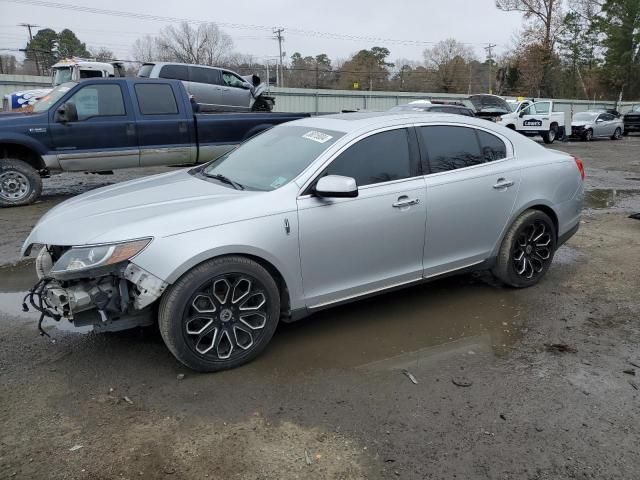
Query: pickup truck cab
x,y
98,125
536,119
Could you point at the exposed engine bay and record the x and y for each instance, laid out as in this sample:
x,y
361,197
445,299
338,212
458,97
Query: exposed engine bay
x,y
112,298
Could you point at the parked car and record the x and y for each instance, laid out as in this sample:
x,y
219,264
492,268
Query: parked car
x,y
489,107
305,216
593,124
539,118
433,108
632,120
100,125
215,89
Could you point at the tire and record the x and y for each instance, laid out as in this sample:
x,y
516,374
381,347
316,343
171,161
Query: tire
x,y
514,265
550,136
20,183
201,316
617,134
261,105
588,135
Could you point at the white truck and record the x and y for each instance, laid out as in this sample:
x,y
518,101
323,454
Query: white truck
x,y
72,69
539,118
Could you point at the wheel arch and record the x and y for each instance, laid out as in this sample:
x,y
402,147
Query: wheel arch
x,y
22,151
540,206
261,258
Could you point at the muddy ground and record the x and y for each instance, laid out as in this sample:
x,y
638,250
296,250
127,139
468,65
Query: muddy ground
x,y
532,384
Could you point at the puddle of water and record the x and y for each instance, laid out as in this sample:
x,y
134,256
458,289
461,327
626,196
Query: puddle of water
x,y
15,281
398,323
401,323
606,198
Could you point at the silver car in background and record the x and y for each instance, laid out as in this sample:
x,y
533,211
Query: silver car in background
x,y
214,89
308,215
594,124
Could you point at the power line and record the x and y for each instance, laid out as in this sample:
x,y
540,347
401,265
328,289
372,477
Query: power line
x,y
160,18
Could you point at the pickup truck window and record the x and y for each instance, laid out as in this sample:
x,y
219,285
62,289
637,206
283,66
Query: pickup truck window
x,y
156,99
271,159
98,101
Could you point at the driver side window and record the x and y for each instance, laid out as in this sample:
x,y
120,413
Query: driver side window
x,y
98,101
231,80
382,157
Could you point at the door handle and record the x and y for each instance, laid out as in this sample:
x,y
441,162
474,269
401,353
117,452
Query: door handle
x,y
406,202
182,127
503,183
131,129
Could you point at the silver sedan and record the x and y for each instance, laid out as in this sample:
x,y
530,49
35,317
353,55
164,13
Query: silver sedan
x,y
590,125
305,216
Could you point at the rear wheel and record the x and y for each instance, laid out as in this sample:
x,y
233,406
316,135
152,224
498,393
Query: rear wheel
x,y
550,136
527,250
220,315
617,134
20,183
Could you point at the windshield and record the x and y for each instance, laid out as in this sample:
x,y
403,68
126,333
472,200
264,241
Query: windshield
x,y
585,117
45,102
273,158
61,75
513,105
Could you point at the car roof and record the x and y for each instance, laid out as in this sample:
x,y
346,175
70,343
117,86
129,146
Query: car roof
x,y
161,64
353,122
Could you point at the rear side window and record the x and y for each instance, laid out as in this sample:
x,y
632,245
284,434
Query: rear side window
x,y
175,72
204,75
450,148
156,99
492,147
382,157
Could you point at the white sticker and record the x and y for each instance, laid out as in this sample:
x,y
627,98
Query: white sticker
x,y
317,136
278,182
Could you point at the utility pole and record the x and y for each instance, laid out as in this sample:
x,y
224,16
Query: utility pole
x,y
278,36
29,26
489,48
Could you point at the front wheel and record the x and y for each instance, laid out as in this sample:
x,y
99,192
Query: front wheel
x,y
588,135
617,134
550,136
221,314
527,250
20,183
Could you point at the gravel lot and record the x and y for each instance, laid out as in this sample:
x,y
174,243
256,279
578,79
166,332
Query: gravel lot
x,y
552,373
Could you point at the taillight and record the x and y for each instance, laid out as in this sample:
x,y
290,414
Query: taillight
x,y
580,166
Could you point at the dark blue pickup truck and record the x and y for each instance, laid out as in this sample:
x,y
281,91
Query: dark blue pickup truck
x,y
98,125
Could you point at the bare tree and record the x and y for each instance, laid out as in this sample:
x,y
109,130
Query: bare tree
x,y
450,61
203,45
101,54
547,14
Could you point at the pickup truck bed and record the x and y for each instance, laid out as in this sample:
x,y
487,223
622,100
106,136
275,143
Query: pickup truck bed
x,y
106,124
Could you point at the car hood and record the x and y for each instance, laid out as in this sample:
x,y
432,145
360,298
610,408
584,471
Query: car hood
x,y
21,118
155,206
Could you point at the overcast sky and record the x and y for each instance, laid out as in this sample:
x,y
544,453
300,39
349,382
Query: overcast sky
x,y
476,22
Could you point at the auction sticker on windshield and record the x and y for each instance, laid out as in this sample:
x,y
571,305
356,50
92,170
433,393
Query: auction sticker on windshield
x,y
317,136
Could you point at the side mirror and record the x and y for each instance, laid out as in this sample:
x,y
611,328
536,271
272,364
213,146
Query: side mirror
x,y
522,113
336,186
600,120
66,113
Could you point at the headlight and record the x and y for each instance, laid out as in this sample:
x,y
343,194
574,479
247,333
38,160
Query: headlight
x,y
498,119
80,259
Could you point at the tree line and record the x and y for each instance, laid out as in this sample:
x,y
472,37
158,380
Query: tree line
x,y
585,49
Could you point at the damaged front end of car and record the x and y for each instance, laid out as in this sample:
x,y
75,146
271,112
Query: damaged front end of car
x,y
95,285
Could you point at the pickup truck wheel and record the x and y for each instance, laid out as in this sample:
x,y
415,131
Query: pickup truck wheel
x,y
20,183
617,134
221,314
550,136
527,250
